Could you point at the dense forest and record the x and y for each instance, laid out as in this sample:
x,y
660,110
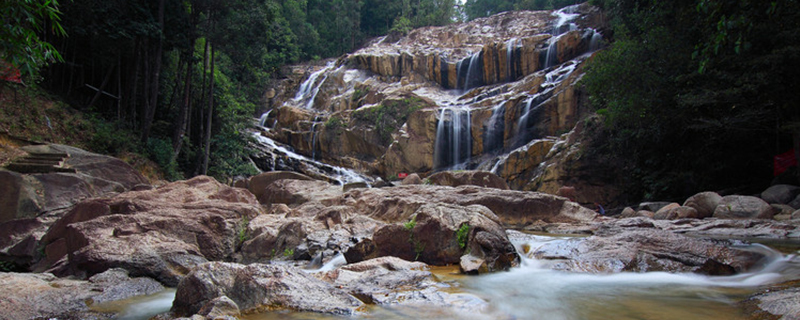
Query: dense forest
x,y
696,94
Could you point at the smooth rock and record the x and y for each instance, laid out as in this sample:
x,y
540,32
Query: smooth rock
x,y
743,207
704,203
259,287
780,193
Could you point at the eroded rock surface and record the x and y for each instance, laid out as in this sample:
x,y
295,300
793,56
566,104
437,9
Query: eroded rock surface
x,y
161,233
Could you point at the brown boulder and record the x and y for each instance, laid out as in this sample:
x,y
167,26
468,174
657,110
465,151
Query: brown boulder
x,y
439,234
475,178
515,208
704,203
675,211
259,287
412,179
297,192
161,233
258,184
743,207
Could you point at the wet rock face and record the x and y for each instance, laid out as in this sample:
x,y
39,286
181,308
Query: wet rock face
x,y
161,233
259,287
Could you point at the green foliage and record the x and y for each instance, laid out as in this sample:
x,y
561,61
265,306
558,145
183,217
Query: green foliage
x,y
462,235
8,266
334,124
160,151
109,138
389,115
23,23
691,91
410,224
241,231
359,93
401,25
484,8
288,253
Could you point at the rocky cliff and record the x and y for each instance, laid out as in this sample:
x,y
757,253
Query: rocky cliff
x,y
463,96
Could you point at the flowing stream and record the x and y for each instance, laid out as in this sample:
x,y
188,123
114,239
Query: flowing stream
x,y
536,291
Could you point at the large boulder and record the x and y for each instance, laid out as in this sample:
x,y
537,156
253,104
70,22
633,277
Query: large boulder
x,y
475,178
297,192
161,233
675,211
439,234
704,203
258,184
513,208
743,207
646,250
780,193
259,287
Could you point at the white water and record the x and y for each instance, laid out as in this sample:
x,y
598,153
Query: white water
x,y
139,308
472,72
453,145
510,46
565,17
339,174
535,291
310,88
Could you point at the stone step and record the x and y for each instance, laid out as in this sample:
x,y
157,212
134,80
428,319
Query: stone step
x,y
40,158
37,168
50,155
51,162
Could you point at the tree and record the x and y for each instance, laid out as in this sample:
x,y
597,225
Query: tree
x,y
23,23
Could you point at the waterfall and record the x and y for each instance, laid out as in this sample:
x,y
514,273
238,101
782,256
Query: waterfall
x,y
495,128
262,121
596,41
314,138
474,75
511,45
299,163
565,17
310,88
453,146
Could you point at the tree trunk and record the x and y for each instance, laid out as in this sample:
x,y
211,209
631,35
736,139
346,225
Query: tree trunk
x,y
207,152
180,126
152,99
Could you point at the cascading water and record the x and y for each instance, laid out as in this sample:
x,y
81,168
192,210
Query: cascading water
x,y
314,138
511,46
474,76
562,25
262,121
310,88
495,129
453,146
297,162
